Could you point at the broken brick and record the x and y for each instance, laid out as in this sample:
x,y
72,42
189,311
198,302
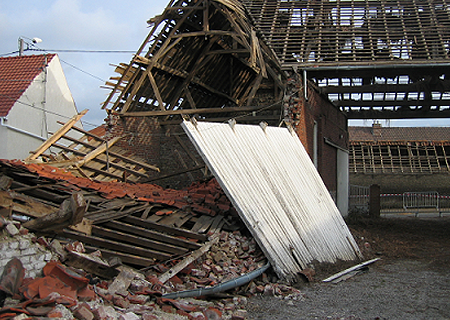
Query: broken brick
x,y
212,314
83,313
120,301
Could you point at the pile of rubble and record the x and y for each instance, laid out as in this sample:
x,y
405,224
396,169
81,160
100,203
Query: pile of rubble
x,y
38,281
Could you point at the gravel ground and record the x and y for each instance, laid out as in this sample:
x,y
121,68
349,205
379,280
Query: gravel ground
x,y
412,281
403,289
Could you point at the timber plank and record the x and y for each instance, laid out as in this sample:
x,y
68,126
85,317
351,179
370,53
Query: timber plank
x,y
125,257
202,223
26,205
151,234
171,219
163,228
217,224
114,245
139,241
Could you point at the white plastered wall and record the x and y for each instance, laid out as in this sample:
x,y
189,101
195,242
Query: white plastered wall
x,y
35,114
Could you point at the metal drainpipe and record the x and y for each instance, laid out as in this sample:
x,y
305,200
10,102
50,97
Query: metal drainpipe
x,y
234,283
2,122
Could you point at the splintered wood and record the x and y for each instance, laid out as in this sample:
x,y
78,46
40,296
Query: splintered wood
x,y
90,156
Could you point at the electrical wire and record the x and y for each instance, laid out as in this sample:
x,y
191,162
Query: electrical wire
x,y
83,51
48,111
7,54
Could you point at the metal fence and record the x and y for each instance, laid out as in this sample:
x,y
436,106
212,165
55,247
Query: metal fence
x,y
359,199
416,202
421,200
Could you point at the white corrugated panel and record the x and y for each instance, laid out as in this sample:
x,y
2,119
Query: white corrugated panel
x,y
277,192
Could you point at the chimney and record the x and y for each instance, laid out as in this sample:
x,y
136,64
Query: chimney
x,y
376,129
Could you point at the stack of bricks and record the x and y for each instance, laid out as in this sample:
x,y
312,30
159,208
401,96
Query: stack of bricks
x,y
16,242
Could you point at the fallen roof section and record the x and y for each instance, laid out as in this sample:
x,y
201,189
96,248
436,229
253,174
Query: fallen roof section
x,y
273,184
92,157
200,57
139,223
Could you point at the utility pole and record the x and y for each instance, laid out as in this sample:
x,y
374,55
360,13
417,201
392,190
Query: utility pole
x,y
21,43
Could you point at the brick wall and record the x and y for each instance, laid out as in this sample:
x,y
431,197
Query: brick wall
x,y
399,183
161,145
15,244
331,125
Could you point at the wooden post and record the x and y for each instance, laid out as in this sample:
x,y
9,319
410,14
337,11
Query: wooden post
x,y
374,201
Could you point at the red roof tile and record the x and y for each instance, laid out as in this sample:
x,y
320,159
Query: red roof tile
x,y
192,197
393,134
16,74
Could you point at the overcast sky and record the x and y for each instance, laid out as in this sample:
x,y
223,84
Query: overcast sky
x,y
80,25
114,25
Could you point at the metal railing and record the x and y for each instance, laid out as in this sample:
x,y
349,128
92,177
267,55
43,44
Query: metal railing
x,y
413,202
421,200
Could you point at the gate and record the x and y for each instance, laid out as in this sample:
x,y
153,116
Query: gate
x,y
359,198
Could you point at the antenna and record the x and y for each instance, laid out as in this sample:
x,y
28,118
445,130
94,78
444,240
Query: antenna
x,y
22,43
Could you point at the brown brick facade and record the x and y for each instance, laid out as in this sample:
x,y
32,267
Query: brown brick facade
x,y
331,126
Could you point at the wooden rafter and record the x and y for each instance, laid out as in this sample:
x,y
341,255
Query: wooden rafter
x,y
202,55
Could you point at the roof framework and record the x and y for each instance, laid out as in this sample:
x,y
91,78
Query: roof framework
x,y
200,57
401,158
374,59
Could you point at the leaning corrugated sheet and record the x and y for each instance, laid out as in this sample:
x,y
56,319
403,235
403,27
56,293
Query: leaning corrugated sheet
x,y
278,193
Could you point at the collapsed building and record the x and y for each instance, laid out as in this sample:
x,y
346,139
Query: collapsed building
x,y
205,94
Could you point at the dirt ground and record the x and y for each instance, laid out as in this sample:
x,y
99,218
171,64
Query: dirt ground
x,y
411,281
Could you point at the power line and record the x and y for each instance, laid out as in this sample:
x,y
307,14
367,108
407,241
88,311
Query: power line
x,y
48,111
76,68
7,54
83,51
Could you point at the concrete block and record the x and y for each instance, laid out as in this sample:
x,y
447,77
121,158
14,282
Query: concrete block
x,y
12,229
24,243
129,316
39,265
25,260
13,245
12,253
30,251
3,246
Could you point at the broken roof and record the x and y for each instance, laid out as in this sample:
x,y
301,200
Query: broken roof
x,y
201,57
398,134
139,223
16,75
273,184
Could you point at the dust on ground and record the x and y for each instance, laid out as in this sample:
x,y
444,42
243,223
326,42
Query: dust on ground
x,y
411,281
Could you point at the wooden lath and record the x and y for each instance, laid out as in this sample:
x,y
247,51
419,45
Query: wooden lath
x,y
199,55
90,156
405,158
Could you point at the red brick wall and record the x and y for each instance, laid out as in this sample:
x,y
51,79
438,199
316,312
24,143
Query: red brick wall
x,y
332,124
159,146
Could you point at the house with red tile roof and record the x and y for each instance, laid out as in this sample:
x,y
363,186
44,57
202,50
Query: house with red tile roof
x,y
34,95
400,159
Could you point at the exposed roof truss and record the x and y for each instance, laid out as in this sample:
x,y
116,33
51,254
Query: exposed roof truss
x,y
373,58
203,55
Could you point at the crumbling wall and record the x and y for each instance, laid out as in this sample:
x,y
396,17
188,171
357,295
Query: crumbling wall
x,y
313,109
18,243
160,146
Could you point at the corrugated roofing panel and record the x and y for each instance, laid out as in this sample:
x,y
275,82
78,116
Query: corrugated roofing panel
x,y
277,191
